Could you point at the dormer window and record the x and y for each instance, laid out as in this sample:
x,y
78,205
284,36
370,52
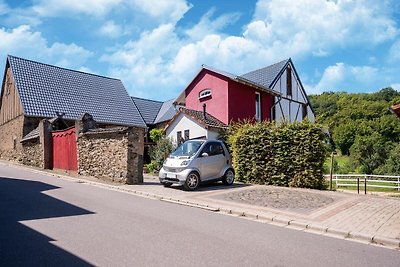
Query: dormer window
x,y
205,93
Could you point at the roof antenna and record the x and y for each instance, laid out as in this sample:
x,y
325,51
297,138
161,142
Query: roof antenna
x,y
204,111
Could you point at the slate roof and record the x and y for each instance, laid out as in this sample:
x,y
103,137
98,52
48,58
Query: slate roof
x,y
45,89
167,111
148,109
208,121
266,76
31,135
153,111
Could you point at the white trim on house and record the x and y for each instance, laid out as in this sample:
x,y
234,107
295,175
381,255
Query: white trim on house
x,y
290,107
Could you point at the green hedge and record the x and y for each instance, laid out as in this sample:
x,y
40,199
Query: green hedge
x,y
288,154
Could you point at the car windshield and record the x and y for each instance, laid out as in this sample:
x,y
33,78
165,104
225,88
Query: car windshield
x,y
187,149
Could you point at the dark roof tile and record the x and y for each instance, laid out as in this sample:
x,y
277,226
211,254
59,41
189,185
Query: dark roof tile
x,y
148,108
167,111
207,120
265,76
45,89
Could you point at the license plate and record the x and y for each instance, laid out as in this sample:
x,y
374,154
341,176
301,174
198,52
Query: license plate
x,y
170,175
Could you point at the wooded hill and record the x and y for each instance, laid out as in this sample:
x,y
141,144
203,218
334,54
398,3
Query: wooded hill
x,y
362,128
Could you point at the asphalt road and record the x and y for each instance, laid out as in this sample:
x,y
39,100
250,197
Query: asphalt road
x,y
47,221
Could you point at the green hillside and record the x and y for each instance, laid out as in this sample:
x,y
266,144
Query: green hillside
x,y
365,133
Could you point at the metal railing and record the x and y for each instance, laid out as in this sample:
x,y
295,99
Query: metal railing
x,y
364,181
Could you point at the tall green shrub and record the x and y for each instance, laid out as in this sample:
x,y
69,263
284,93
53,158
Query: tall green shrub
x,y
161,150
286,154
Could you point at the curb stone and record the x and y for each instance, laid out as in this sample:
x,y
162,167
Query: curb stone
x,y
338,232
317,228
298,224
386,241
360,236
282,220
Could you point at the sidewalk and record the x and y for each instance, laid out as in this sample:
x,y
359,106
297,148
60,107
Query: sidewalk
x,y
364,218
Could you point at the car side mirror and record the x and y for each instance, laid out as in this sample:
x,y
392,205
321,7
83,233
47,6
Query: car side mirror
x,y
204,154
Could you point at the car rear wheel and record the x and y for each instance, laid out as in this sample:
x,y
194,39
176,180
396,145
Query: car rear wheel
x,y
192,181
229,177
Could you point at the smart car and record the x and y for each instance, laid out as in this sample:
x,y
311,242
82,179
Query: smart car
x,y
197,161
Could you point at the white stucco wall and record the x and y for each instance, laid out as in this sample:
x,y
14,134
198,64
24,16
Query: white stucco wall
x,y
291,110
184,122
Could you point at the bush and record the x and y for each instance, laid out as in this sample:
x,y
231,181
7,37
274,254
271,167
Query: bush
x,y
286,154
160,152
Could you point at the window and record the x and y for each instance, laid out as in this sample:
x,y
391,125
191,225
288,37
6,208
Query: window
x,y
213,149
304,111
258,107
186,134
179,138
205,93
288,81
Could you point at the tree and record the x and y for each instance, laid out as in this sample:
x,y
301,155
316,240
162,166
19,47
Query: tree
x,y
343,136
392,164
370,152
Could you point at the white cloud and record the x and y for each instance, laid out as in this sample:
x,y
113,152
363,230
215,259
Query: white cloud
x,y
208,26
394,52
344,77
163,10
111,30
395,86
23,42
53,8
162,58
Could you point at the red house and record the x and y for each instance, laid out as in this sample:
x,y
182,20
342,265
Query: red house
x,y
271,93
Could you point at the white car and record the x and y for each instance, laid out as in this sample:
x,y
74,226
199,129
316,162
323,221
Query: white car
x,y
197,161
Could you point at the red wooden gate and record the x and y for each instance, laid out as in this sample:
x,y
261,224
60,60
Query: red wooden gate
x,y
64,149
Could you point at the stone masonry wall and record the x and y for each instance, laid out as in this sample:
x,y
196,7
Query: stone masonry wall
x,y
114,153
33,153
29,152
10,137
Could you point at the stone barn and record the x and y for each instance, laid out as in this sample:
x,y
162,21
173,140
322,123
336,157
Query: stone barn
x,y
38,99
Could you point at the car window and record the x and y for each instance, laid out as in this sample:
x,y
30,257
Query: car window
x,y
189,148
213,148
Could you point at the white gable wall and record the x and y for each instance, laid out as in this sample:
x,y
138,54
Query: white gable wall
x,y
287,109
184,122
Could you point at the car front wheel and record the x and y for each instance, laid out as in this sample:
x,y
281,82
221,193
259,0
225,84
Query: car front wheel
x,y
192,181
229,177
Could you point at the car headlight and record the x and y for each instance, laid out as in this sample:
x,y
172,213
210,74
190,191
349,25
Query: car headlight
x,y
185,162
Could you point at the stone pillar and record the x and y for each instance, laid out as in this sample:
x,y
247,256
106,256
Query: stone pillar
x,y
45,139
85,123
135,155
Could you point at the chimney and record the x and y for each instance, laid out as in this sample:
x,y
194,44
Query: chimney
x,y
204,111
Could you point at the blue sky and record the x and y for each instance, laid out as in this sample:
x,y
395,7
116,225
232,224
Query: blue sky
x,y
157,46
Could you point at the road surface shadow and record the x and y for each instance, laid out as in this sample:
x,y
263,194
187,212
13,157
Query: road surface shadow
x,y
22,246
